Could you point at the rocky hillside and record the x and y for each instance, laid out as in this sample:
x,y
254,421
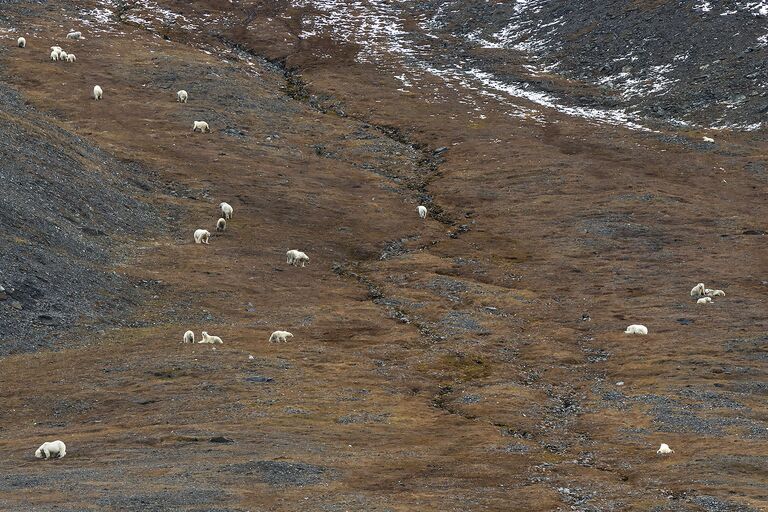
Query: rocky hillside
x,y
69,211
691,63
473,360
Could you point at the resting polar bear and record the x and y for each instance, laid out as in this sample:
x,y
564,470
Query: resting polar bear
x,y
209,339
52,448
281,336
636,329
698,290
202,126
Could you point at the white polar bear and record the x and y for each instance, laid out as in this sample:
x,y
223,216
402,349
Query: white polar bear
x,y
281,336
182,96
698,290
202,126
422,211
636,329
52,448
226,210
209,339
664,449
189,337
201,236
97,92
296,258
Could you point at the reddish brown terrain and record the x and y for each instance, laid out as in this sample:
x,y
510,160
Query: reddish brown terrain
x,y
471,361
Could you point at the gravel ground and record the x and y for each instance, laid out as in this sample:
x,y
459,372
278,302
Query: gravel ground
x,y
68,211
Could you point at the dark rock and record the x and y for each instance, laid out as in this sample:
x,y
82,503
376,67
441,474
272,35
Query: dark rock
x,y
363,417
93,231
221,439
283,474
48,320
258,379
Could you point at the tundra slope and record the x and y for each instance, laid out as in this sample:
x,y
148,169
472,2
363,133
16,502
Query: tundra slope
x,y
472,360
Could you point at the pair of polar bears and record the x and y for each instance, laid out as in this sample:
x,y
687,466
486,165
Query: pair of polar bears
x,y
189,337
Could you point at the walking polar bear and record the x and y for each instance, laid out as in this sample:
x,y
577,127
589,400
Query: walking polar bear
x,y
280,336
202,236
296,258
226,210
202,126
